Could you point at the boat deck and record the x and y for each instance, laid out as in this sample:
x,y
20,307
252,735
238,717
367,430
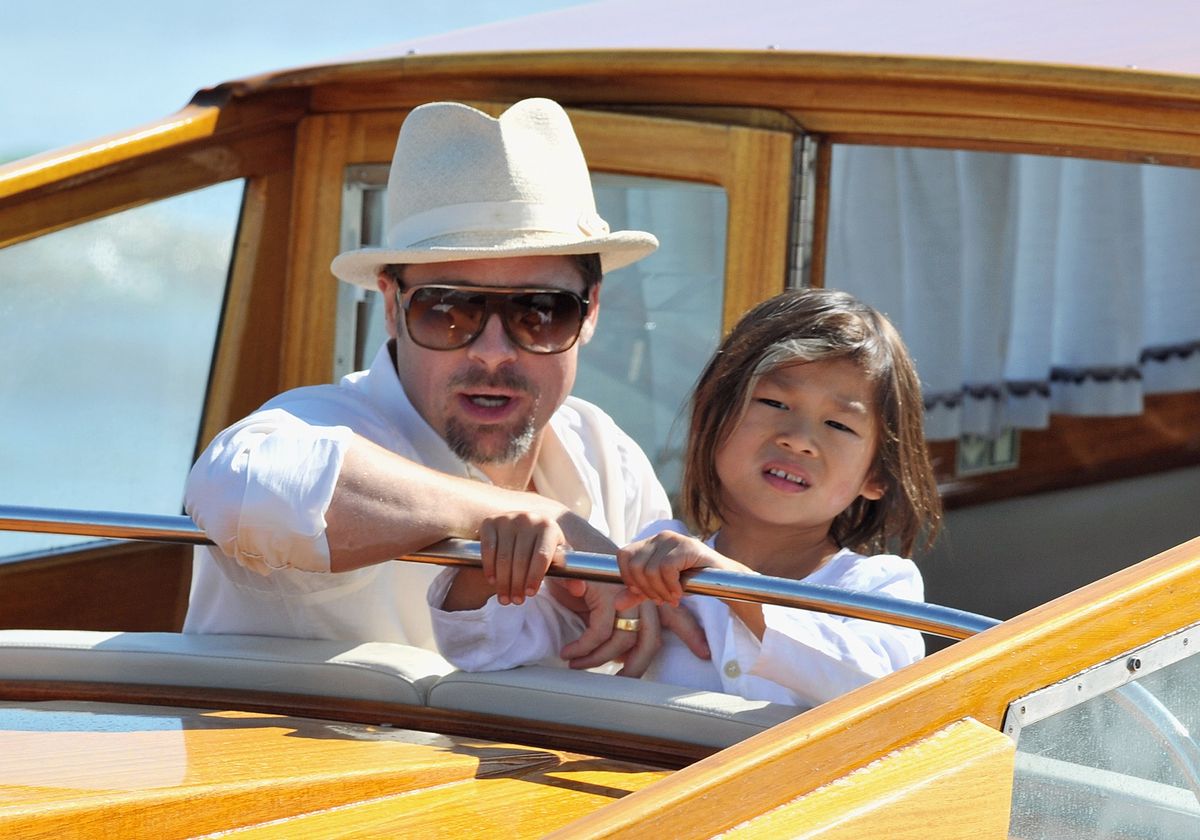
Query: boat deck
x,y
74,769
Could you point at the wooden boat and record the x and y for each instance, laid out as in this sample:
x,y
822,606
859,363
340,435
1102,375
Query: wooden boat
x,y
112,720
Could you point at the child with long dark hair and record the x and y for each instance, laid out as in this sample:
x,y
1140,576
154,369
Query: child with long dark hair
x,y
806,459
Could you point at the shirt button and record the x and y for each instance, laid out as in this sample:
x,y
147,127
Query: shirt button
x,y
732,669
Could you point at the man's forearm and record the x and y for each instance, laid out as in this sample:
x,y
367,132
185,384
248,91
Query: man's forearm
x,y
385,506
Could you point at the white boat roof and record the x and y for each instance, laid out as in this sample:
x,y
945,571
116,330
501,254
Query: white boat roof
x,y
1153,35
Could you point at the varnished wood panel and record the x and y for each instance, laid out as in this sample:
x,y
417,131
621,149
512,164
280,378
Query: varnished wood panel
x,y
753,166
956,783
82,160
246,367
759,187
516,806
820,233
310,304
135,182
639,145
1077,451
209,114
972,101
975,678
1013,136
141,587
176,772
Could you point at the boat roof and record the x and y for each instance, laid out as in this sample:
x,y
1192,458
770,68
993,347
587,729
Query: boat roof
x,y
1155,36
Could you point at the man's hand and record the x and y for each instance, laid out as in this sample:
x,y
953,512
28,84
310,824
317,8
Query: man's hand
x,y
655,622
601,642
649,641
516,550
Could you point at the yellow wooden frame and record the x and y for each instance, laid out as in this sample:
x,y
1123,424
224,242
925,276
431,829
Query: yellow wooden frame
x,y
955,783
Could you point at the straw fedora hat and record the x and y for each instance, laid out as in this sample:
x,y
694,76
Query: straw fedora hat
x,y
464,185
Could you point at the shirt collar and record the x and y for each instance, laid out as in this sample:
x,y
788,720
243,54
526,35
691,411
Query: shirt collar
x,y
383,389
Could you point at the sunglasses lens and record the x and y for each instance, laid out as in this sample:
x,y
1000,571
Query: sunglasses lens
x,y
445,319
543,322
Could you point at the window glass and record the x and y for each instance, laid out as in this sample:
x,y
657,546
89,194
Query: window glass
x,y
660,318
107,341
1117,762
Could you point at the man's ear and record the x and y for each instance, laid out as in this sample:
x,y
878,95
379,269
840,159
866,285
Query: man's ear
x,y
589,322
387,288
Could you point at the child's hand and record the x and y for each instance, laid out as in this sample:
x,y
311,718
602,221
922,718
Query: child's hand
x,y
651,567
517,549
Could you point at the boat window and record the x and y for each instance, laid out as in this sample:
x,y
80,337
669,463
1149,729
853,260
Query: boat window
x,y
1025,285
108,336
1036,293
1109,752
660,318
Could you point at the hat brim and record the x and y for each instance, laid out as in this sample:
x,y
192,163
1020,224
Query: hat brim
x,y
617,250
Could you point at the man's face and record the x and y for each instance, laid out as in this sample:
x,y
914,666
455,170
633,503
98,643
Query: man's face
x,y
489,400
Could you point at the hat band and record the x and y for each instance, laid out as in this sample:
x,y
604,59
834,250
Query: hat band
x,y
507,216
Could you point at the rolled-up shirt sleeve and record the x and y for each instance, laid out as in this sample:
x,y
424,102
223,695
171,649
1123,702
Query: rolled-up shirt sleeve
x,y
261,488
496,637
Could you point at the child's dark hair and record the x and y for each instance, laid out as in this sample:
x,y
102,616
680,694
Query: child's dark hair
x,y
808,325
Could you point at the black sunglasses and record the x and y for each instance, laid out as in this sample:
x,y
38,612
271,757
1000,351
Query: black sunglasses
x,y
538,320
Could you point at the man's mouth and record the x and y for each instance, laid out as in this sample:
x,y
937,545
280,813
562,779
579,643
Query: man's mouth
x,y
786,476
488,400
497,388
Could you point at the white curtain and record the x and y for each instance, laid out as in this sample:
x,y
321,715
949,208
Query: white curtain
x,y
1023,285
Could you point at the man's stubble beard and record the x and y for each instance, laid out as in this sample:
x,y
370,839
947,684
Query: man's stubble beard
x,y
469,441
468,446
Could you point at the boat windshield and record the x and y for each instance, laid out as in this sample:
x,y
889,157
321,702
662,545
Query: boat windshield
x,y
1108,753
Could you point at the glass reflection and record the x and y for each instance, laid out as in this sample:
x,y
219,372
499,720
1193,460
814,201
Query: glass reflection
x,y
1103,769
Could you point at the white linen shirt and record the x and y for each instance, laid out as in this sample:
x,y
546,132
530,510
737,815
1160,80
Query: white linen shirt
x,y
803,659
261,488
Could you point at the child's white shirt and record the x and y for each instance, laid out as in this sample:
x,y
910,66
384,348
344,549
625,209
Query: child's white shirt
x,y
803,659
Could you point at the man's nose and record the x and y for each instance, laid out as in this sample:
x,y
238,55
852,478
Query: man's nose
x,y
492,348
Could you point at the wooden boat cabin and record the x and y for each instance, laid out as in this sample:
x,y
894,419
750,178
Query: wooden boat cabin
x,y
1017,185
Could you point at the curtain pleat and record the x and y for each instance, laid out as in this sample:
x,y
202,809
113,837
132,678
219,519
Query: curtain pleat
x,y
1024,286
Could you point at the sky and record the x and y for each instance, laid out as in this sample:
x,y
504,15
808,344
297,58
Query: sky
x,y
72,70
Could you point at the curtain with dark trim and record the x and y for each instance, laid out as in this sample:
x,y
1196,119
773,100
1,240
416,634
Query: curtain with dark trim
x,y
1024,286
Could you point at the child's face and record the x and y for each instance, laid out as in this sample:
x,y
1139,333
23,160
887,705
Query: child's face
x,y
804,449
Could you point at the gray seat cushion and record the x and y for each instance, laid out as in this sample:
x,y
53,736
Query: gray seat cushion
x,y
386,672
370,671
620,704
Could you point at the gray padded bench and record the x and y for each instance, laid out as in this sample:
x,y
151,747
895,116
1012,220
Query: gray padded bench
x,y
387,672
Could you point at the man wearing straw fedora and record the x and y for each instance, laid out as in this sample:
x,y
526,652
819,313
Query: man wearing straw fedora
x,y
490,275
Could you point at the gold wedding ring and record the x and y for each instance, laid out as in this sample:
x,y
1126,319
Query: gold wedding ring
x,y
627,623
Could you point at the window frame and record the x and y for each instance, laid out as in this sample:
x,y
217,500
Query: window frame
x,y
147,584
753,165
